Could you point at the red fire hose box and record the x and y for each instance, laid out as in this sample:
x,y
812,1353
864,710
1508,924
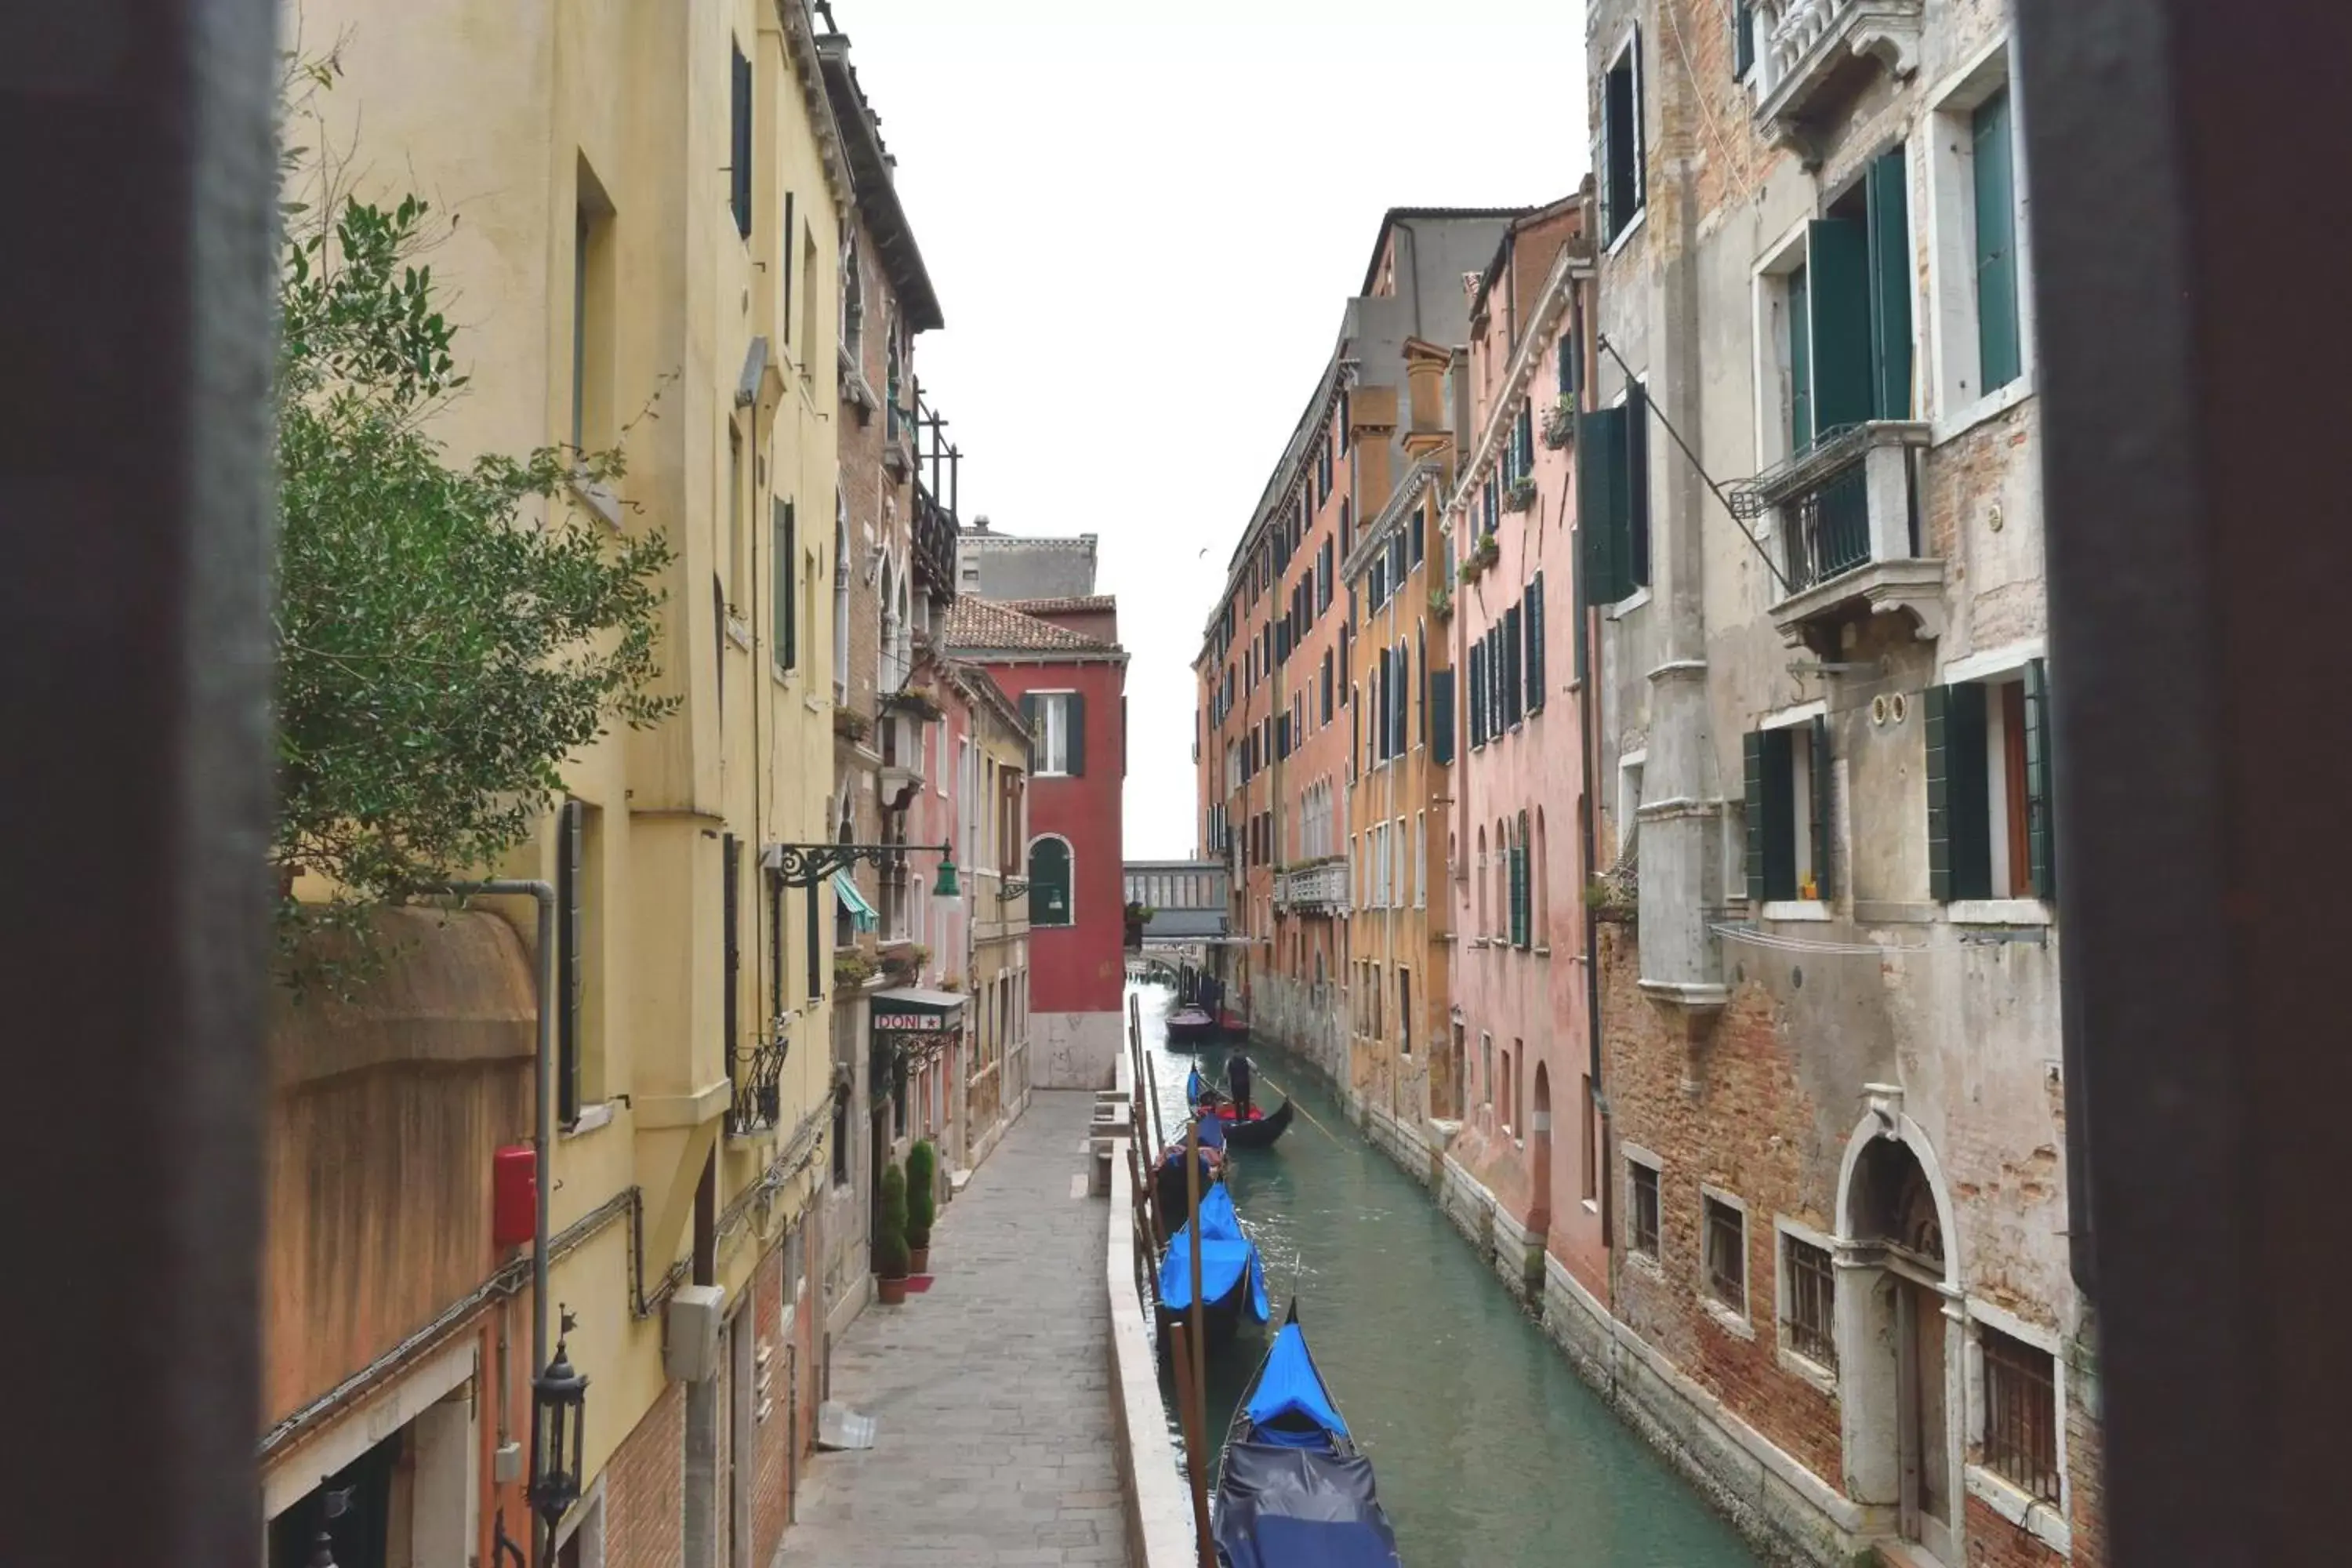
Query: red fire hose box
x,y
514,1195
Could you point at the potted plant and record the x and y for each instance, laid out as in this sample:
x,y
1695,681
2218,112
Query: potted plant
x,y
890,1262
922,1202
1488,551
852,725
851,968
1559,424
1471,564
1521,495
904,963
1441,602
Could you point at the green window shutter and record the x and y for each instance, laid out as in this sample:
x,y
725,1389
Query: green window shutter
x,y
1029,720
1075,707
1535,645
1477,726
1776,752
1602,497
785,611
1960,795
1514,665
740,170
1400,735
1998,340
1837,274
1800,360
1518,883
1633,538
1441,716
1819,777
1049,883
1751,766
2041,803
1890,285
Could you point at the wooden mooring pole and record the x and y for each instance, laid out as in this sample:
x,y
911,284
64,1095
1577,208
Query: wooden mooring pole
x,y
1193,1415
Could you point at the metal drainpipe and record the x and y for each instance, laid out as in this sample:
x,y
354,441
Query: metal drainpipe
x,y
1605,1168
543,1177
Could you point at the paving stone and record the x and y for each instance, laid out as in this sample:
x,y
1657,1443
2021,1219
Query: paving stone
x,y
991,1400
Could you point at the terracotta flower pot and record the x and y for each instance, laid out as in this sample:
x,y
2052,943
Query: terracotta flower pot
x,y
919,1260
893,1291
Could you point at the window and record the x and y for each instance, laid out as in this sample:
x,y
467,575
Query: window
x,y
1050,899
810,295
740,163
1622,162
1487,1071
736,544
1510,1087
1533,602
1588,1185
1788,787
1989,788
1614,496
1998,353
1841,302
1058,722
1809,1300
1727,1254
580,914
1420,860
1642,1208
1522,932
592,314
1743,39
786,607
1405,1011
2021,1413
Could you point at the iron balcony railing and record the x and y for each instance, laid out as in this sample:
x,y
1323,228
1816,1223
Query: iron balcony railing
x,y
1848,499
758,1076
935,533
1828,526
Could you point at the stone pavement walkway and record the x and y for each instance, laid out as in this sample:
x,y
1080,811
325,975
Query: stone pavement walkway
x,y
991,1391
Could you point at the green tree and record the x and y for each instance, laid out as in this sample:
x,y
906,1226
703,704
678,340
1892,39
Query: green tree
x,y
448,633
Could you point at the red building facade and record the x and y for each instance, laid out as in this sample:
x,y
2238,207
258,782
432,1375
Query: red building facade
x,y
1061,661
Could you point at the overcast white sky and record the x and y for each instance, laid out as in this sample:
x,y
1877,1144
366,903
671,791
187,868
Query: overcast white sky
x,y
1143,220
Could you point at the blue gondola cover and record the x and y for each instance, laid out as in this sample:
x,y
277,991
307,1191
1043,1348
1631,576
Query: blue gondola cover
x,y
1225,1256
1288,1384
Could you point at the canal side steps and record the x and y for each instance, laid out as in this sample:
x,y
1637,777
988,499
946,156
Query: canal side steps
x,y
1157,1506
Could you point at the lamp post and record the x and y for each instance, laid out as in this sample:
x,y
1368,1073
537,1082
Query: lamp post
x,y
558,1411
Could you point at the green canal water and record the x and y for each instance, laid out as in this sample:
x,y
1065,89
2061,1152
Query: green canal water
x,y
1490,1449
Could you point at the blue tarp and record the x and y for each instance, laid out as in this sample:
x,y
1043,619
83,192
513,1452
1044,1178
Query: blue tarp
x,y
1213,1132
1194,1087
1218,1220
1223,1263
1288,1384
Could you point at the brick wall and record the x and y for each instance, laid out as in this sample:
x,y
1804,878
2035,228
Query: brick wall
x,y
1994,1542
771,1437
2085,1458
1746,1132
645,1490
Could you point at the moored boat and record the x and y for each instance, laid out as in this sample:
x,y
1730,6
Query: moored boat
x,y
1292,1488
1258,1128
1233,1276
1189,1028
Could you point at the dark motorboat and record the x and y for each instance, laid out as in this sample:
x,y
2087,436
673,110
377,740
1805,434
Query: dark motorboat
x,y
1292,1490
1233,1277
1189,1028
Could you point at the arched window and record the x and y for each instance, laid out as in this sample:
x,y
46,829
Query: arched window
x,y
840,599
1051,899
1480,877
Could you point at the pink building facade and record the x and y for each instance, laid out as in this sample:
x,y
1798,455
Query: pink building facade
x,y
1525,1167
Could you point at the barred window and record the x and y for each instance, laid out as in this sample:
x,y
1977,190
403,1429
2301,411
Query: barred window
x,y
1726,1255
1643,1212
1810,1287
2020,1442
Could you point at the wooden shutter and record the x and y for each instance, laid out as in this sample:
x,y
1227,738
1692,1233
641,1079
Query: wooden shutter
x,y
1751,765
1600,502
1743,39
741,161
1421,675
1776,753
1075,706
1036,738
1837,277
1801,428
1441,716
1959,794
1998,341
1817,776
1477,718
1519,885
1891,274
1535,645
2040,802
1402,666
1633,539
731,887
784,614
1514,665
567,950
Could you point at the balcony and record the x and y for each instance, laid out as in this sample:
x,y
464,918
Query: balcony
x,y
935,533
1811,54
1849,534
756,1074
1318,888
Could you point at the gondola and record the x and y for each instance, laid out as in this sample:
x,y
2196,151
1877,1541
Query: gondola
x,y
1232,1276
1189,1028
1292,1489
1167,1184
1257,1130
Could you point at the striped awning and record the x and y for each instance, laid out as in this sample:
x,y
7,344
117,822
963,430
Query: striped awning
x,y
855,902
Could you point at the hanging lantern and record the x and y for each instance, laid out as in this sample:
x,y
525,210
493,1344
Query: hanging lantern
x,y
558,1403
947,886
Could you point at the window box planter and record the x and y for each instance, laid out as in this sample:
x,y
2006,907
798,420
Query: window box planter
x,y
1559,424
852,725
1441,603
916,703
1520,497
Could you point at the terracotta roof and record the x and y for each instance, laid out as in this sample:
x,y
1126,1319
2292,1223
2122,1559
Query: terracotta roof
x,y
1088,604
984,625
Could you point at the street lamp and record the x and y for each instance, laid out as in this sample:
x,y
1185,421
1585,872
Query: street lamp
x,y
559,1408
808,864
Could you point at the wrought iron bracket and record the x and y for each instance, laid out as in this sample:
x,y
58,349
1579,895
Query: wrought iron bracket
x,y
806,865
1011,887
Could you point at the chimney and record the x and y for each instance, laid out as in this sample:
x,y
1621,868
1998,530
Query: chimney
x,y
1428,429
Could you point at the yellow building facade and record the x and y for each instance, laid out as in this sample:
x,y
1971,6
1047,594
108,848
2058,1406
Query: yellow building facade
x,y
644,208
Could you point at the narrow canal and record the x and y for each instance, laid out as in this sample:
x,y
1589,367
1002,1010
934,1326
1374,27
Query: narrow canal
x,y
1488,1448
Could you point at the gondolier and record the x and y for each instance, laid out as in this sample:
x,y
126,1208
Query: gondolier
x,y
1237,1076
